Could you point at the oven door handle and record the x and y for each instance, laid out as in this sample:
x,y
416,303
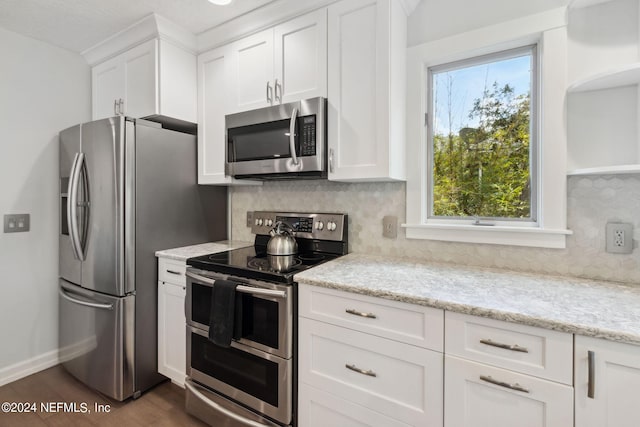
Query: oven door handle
x,y
240,419
241,288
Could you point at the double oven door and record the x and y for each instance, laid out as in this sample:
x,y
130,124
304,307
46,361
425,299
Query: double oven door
x,y
257,369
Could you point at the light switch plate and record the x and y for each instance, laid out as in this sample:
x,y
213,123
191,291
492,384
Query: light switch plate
x,y
16,223
249,218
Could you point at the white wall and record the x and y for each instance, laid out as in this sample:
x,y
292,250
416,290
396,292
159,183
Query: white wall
x,y
43,89
435,19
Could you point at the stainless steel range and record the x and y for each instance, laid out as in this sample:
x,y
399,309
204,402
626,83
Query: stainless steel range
x,y
241,346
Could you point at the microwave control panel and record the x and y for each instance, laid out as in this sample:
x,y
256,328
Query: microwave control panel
x,y
308,136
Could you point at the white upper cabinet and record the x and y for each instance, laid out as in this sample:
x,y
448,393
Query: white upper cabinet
x,y
153,78
213,103
282,64
366,90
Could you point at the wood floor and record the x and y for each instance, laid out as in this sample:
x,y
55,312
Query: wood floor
x,y
161,406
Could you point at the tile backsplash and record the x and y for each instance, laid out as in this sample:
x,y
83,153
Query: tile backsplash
x,y
592,202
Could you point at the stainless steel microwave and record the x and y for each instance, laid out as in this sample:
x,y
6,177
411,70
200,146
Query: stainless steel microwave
x,y
278,142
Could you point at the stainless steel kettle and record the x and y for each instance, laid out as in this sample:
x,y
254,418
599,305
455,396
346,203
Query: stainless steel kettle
x,y
282,241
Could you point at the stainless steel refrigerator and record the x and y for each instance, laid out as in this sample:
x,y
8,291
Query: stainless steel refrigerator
x,y
127,188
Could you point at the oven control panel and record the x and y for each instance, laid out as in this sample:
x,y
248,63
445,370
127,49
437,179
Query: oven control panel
x,y
322,226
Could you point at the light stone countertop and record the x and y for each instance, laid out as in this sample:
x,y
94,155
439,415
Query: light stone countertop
x,y
186,252
581,306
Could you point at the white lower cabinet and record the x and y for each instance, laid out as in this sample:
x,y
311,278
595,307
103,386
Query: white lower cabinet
x,y
607,382
479,395
322,409
351,377
172,338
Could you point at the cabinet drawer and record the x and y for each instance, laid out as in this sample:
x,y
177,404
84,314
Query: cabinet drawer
x,y
527,349
481,395
407,323
321,409
401,381
172,271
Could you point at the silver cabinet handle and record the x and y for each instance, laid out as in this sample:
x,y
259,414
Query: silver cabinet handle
x,y
115,107
277,85
354,368
269,93
177,273
292,136
331,160
591,388
121,105
512,347
360,313
516,386
64,295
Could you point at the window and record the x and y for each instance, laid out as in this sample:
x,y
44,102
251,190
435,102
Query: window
x,y
482,139
480,163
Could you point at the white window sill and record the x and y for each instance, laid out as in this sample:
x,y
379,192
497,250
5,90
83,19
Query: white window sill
x,y
495,235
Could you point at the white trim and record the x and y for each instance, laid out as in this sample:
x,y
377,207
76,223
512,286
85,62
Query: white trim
x,y
149,27
28,367
497,235
548,30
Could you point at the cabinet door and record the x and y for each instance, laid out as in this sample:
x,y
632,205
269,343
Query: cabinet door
x,y
172,339
251,72
107,88
365,87
214,92
141,80
471,399
177,85
300,53
321,409
615,381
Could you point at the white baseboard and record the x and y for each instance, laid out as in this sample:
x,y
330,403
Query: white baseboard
x,y
28,367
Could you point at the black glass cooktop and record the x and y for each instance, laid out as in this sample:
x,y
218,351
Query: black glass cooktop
x,y
253,262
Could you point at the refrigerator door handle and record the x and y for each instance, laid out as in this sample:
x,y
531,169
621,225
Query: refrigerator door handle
x,y
72,206
66,296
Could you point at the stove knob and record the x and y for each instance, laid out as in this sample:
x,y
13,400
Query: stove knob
x,y
319,225
331,225
268,222
259,221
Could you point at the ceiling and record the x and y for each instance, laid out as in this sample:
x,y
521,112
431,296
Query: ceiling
x,y
78,25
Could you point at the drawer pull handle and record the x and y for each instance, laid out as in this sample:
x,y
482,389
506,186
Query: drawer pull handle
x,y
591,388
512,347
516,386
177,273
361,371
361,313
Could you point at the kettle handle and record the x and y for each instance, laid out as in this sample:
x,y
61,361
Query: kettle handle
x,y
277,229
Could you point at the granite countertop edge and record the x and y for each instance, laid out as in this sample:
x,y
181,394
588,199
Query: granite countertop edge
x,y
185,252
586,328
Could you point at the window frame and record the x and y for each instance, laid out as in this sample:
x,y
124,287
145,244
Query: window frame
x,y
532,221
548,31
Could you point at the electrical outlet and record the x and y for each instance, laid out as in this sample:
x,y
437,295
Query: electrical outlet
x,y
390,227
619,238
249,218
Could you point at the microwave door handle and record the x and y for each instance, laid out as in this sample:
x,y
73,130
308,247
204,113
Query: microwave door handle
x,y
292,136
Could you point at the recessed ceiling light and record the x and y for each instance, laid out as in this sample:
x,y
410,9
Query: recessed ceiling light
x,y
221,2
